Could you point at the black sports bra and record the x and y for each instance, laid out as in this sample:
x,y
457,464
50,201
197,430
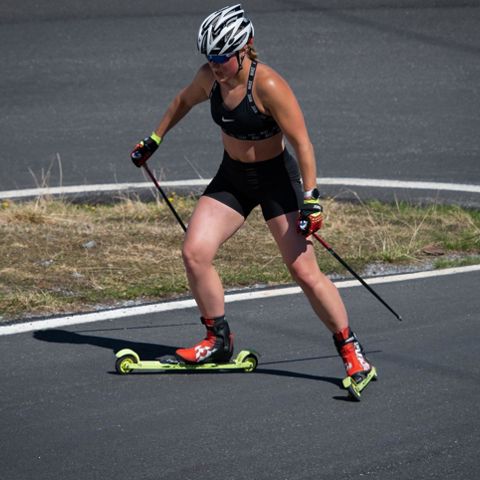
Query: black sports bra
x,y
245,121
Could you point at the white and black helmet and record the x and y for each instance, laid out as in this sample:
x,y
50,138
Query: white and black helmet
x,y
224,31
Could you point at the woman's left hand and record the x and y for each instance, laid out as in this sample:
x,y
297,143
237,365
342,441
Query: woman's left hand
x,y
310,217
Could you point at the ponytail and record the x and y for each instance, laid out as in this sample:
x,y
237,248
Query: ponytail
x,y
252,53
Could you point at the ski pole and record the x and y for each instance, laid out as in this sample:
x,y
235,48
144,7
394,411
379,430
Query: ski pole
x,y
320,239
159,188
358,277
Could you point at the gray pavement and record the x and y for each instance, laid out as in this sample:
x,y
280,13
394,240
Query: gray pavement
x,y
389,88
65,414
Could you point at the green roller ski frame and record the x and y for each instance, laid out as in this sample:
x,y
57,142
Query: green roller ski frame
x,y
355,389
128,361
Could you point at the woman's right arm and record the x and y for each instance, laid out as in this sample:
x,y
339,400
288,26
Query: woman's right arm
x,y
198,91
195,93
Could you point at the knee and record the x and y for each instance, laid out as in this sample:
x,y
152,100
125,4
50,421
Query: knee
x,y
195,257
306,275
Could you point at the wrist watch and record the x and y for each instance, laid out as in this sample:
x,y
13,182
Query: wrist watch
x,y
314,193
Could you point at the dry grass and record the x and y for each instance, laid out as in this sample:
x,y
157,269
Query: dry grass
x,y
58,257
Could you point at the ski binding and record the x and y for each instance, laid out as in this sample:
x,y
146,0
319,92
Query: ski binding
x,y
355,389
129,361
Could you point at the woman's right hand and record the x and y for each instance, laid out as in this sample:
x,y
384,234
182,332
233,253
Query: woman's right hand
x,y
145,149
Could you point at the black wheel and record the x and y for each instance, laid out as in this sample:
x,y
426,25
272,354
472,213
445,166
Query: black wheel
x,y
353,394
123,365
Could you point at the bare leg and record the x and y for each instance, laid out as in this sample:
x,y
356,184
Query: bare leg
x,y
212,223
299,256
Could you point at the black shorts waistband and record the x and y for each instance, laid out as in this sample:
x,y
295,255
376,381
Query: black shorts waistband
x,y
263,166
260,164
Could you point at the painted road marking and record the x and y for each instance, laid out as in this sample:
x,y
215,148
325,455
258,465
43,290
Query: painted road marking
x,y
229,298
352,182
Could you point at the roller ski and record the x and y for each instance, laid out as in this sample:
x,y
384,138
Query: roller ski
x,y
129,361
359,371
212,353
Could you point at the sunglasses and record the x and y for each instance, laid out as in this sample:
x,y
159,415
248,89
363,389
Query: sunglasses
x,y
220,58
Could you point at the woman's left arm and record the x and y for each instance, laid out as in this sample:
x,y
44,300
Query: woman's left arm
x,y
280,102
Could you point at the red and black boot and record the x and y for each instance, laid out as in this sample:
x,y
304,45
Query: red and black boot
x,y
216,347
356,364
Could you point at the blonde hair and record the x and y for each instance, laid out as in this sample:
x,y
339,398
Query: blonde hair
x,y
252,53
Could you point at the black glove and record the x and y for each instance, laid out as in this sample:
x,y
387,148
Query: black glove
x,y
145,149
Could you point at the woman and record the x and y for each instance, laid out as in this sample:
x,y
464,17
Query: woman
x,y
257,111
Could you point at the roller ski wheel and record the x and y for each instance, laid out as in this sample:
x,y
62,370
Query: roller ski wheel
x,y
251,361
128,361
356,388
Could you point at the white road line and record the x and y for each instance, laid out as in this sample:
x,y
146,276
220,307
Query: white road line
x,y
102,187
234,297
384,183
352,182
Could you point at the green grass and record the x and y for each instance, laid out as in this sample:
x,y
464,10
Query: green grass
x,y
457,262
45,267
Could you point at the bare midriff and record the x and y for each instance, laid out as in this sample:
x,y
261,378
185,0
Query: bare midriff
x,y
250,151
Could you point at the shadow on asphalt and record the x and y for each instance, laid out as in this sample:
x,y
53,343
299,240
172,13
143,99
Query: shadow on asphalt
x,y
149,351
287,373
145,350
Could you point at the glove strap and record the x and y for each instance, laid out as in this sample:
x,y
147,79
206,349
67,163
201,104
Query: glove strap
x,y
156,138
310,206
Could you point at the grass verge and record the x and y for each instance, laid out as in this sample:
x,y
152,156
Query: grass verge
x,y
58,257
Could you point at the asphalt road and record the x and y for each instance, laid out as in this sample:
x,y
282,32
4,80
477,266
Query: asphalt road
x,y
390,89
65,414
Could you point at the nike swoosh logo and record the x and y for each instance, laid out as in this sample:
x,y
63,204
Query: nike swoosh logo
x,y
227,119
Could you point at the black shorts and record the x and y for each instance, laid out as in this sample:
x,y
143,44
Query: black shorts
x,y
273,184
